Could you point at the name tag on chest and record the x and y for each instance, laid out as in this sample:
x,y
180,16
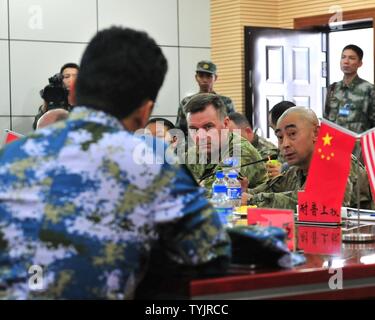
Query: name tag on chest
x,y
345,110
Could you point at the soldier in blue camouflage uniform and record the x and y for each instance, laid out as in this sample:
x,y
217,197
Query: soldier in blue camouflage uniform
x,y
205,76
351,102
281,191
81,200
208,126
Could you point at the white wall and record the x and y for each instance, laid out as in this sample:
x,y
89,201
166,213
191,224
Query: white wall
x,y
38,36
360,37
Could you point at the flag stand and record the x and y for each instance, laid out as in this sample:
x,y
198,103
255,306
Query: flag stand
x,y
357,235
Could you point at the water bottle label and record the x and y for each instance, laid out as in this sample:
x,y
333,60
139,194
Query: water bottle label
x,y
234,193
219,189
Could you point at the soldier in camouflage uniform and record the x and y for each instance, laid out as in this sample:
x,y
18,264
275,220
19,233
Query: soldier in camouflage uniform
x,y
351,102
80,202
281,192
206,113
205,76
264,147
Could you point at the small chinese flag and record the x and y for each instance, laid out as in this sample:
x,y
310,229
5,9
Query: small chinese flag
x,y
328,175
368,151
11,136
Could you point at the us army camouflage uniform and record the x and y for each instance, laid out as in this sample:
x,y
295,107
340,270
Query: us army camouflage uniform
x,y
282,191
256,174
264,147
359,96
78,200
181,122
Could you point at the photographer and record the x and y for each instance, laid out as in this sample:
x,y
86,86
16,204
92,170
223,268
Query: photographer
x,y
56,93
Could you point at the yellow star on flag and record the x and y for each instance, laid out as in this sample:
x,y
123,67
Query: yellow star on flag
x,y
327,139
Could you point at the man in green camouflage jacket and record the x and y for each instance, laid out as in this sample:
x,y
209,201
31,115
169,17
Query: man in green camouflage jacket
x,y
351,102
206,76
214,144
297,146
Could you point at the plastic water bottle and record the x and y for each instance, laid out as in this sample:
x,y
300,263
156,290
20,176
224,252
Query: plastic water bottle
x,y
220,200
234,190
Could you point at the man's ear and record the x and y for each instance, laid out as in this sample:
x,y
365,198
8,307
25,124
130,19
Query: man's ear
x,y
226,122
249,133
316,133
360,64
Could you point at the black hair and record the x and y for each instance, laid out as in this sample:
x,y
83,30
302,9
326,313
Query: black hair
x,y
356,49
200,101
239,119
279,108
120,69
168,124
69,65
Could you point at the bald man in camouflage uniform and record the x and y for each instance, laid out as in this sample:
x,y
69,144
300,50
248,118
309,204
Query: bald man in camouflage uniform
x,y
206,76
206,112
281,192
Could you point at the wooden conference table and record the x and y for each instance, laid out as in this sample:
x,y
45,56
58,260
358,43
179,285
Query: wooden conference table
x,y
328,258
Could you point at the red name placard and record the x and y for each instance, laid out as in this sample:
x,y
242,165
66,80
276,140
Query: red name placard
x,y
314,209
276,218
321,240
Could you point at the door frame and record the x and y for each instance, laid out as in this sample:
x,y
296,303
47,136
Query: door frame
x,y
320,21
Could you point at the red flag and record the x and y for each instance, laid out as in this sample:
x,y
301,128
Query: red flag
x,y
368,151
11,136
328,175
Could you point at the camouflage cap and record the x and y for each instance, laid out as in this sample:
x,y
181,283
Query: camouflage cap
x,y
206,66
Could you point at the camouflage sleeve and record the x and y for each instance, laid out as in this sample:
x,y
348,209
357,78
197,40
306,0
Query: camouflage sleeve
x,y
198,237
281,200
326,105
286,199
257,173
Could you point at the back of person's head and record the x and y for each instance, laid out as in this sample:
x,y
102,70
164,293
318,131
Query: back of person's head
x,y
356,49
69,65
168,124
51,117
239,119
278,109
120,70
202,100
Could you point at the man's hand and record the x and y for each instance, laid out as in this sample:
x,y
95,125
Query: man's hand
x,y
244,183
273,168
245,198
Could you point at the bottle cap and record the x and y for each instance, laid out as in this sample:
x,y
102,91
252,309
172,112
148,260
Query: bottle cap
x,y
232,174
220,174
